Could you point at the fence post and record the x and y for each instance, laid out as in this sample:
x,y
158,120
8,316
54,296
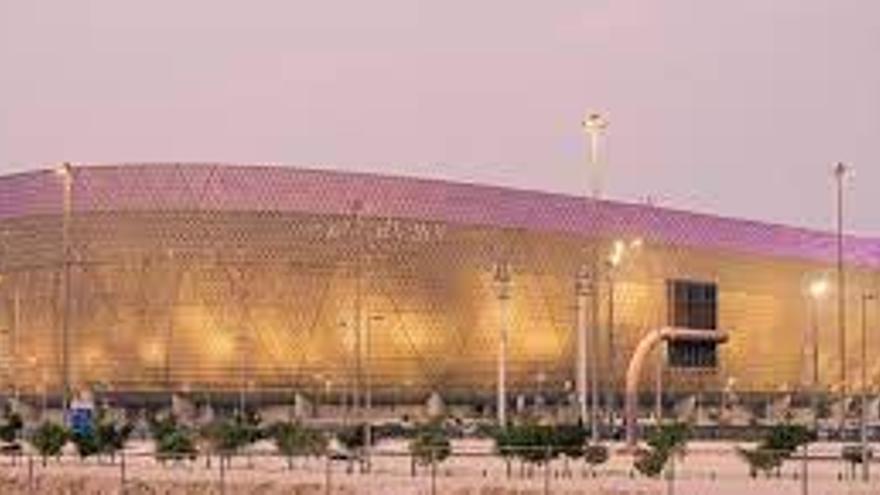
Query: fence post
x,y
670,476
328,471
433,472
805,471
30,473
222,475
547,470
122,471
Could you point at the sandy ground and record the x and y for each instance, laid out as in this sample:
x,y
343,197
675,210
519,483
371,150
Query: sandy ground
x,y
709,468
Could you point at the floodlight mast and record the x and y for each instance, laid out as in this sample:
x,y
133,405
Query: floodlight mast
x,y
594,126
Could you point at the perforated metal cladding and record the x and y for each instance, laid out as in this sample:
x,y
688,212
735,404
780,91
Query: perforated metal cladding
x,y
201,276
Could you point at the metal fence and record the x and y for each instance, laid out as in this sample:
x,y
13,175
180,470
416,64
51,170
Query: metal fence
x,y
709,469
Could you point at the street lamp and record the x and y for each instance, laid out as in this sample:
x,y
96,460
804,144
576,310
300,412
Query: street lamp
x,y
13,368
582,290
502,292
243,349
818,288
840,172
368,397
65,172
863,426
615,259
594,126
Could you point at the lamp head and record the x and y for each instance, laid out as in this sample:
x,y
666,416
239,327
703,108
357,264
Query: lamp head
x,y
818,288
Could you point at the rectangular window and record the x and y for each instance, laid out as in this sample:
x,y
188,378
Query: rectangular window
x,y
692,305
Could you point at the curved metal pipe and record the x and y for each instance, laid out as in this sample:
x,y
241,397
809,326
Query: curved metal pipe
x,y
648,342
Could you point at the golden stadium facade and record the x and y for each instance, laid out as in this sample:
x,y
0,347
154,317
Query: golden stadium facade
x,y
156,277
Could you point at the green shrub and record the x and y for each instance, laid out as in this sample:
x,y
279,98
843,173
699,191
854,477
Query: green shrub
x,y
529,442
230,435
10,425
778,444
569,440
761,460
667,440
292,439
353,437
595,454
49,439
106,436
786,438
430,444
173,440
650,462
536,443
86,443
111,436
854,455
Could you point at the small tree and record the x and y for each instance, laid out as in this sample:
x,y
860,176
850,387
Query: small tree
x,y
105,436
353,437
535,444
10,425
110,434
778,444
595,455
230,435
761,460
86,443
529,442
173,440
293,439
786,438
670,438
664,442
48,439
430,445
568,440
854,455
650,462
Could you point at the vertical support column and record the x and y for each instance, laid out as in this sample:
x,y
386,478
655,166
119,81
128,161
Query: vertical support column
x,y
16,340
357,208
840,171
502,286
863,426
242,372
66,172
610,402
581,291
593,349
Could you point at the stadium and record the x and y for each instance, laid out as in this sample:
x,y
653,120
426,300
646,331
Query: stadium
x,y
157,278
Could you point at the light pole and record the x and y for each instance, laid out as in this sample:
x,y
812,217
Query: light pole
x,y
242,371
818,289
169,332
840,171
65,171
863,426
582,290
594,125
13,368
658,385
615,258
502,288
368,396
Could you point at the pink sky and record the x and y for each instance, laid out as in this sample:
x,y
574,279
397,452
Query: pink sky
x,y
737,108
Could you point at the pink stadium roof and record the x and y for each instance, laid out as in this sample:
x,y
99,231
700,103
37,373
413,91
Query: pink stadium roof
x,y
277,188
